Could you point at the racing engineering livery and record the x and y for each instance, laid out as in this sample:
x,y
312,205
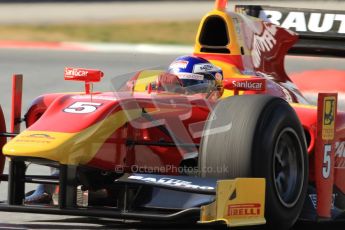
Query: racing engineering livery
x,y
250,150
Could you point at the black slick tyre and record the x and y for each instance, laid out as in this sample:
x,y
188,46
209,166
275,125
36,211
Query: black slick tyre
x,y
259,136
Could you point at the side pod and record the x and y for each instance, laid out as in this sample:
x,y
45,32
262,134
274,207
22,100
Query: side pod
x,y
239,202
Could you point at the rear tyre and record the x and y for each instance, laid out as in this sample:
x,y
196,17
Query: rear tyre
x,y
259,136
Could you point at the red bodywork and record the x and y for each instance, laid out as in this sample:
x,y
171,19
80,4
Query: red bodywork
x,y
311,82
17,89
179,114
184,115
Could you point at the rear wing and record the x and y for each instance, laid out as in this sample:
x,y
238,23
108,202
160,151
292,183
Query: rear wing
x,y
321,32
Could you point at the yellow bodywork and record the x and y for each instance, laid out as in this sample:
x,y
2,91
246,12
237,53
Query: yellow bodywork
x,y
145,78
68,148
235,41
239,202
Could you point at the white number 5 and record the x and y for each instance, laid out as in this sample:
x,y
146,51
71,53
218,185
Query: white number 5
x,y
326,169
82,107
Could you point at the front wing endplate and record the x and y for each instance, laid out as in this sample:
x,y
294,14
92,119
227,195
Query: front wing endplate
x,y
239,202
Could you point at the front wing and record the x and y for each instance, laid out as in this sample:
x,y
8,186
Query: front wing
x,y
172,198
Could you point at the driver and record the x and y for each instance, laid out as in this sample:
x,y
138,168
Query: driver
x,y
196,74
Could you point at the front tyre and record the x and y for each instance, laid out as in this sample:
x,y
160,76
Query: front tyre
x,y
259,136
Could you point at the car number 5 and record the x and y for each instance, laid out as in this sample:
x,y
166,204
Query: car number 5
x,y
326,169
82,107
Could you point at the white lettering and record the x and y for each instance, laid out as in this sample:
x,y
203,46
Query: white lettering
x,y
314,22
263,43
341,18
76,73
171,182
190,76
135,177
295,20
318,22
247,85
204,68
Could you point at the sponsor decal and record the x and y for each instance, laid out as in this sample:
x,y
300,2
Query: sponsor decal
x,y
170,182
263,43
204,68
313,199
75,72
43,135
256,85
339,154
179,64
316,22
244,209
36,138
340,149
190,76
328,118
79,74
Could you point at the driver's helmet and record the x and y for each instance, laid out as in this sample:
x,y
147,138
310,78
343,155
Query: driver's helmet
x,y
196,73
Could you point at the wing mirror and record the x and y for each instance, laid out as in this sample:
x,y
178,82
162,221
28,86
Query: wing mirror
x,y
87,75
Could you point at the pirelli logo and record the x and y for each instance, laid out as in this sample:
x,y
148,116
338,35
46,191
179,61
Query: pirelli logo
x,y
328,118
253,209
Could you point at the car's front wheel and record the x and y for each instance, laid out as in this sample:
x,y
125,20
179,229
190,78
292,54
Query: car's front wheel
x,y
259,136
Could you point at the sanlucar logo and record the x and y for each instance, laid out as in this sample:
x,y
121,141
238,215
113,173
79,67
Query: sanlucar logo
x,y
170,182
256,85
74,72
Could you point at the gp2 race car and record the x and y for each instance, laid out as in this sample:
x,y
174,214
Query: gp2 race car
x,y
252,151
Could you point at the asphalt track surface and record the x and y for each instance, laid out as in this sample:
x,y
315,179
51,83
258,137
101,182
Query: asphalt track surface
x,y
43,73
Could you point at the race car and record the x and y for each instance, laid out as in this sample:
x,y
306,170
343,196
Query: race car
x,y
242,147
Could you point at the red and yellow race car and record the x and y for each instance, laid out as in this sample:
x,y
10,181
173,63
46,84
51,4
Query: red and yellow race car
x,y
221,136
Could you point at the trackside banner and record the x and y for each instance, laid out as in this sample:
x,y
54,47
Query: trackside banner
x,y
309,22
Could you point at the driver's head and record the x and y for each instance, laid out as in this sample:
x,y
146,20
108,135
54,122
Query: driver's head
x,y
195,71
